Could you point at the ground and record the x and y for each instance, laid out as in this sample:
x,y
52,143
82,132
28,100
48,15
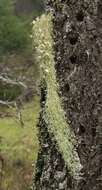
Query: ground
x,y
18,143
18,147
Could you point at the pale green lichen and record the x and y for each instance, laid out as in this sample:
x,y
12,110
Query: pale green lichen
x,y
54,114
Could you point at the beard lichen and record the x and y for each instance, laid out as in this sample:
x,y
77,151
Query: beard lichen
x,y
54,113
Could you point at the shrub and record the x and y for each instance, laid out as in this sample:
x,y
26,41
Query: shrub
x,y
14,34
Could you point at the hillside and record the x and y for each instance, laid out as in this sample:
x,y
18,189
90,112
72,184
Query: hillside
x,y
19,107
18,139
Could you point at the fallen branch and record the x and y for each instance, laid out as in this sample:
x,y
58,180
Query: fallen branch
x,y
8,81
6,103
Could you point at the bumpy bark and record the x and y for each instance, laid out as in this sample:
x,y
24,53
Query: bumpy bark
x,y
78,48
51,171
78,56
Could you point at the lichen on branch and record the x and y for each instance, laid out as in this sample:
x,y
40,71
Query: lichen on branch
x,y
53,113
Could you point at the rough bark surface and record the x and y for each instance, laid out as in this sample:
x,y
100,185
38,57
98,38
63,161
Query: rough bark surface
x,y
51,171
78,56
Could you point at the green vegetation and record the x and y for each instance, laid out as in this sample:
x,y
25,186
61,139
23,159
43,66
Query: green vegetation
x,y
14,34
54,115
10,127
38,7
15,30
19,146
10,92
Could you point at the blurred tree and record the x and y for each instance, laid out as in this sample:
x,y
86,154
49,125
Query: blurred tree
x,y
25,7
14,34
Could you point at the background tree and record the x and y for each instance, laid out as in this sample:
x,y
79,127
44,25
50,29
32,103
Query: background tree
x,y
78,42
14,34
26,7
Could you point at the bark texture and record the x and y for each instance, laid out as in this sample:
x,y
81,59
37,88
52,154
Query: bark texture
x,y
78,57
51,171
57,159
78,48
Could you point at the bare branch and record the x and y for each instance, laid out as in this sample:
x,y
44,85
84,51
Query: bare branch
x,y
8,81
6,103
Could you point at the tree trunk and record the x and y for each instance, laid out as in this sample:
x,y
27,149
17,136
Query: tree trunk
x,y
78,56
51,171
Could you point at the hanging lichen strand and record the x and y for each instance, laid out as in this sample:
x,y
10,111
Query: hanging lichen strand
x,y
54,114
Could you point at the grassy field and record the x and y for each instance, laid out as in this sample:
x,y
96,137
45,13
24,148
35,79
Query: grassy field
x,y
19,147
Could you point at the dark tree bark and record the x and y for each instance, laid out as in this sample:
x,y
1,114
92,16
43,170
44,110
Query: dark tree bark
x,y
78,57
51,171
